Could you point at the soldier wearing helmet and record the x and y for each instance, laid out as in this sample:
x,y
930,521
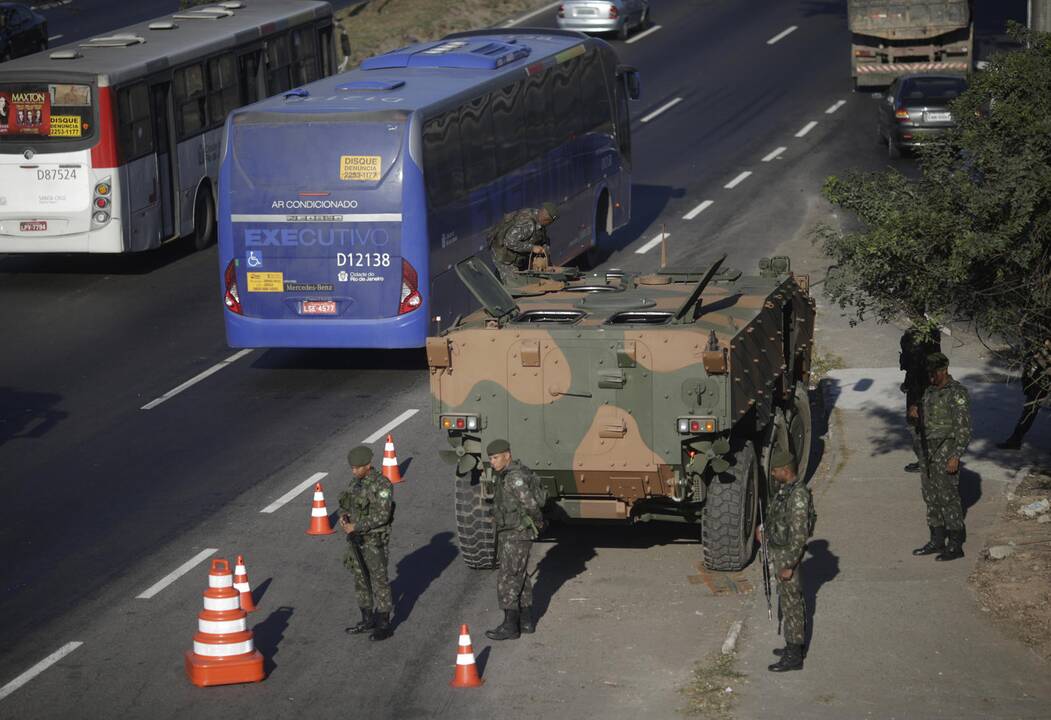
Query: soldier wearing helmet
x,y
518,236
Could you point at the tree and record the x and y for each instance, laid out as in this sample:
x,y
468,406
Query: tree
x,y
971,238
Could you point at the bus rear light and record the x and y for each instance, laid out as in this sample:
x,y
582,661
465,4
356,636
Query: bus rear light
x,y
102,188
230,297
100,218
101,203
410,289
613,12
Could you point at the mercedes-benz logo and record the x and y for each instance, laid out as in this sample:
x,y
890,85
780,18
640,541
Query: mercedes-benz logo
x,y
28,154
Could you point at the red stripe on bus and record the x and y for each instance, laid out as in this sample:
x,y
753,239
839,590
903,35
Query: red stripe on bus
x,y
107,153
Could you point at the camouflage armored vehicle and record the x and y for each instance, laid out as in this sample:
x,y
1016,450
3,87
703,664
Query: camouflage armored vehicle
x,y
634,397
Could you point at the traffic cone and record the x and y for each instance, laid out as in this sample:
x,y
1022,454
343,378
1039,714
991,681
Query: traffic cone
x,y
391,471
241,585
466,671
319,524
223,652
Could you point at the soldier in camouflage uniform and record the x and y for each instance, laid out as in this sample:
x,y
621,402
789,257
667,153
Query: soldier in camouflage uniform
x,y
519,235
366,511
789,521
518,519
945,431
916,345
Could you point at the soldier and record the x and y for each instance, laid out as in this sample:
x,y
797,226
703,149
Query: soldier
x,y
945,431
518,518
916,345
518,235
366,511
789,522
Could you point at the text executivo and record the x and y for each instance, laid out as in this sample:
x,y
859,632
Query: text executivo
x,y
325,237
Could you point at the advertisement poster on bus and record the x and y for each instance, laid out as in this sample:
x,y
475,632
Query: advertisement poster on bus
x,y
25,112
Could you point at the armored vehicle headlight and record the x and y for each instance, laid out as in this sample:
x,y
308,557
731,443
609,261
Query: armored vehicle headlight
x,y
694,425
460,422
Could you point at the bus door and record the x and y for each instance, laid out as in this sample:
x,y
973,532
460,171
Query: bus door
x,y
167,159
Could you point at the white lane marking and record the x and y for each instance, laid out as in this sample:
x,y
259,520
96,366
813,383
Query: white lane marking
x,y
652,243
642,34
806,128
196,379
511,23
390,426
698,210
55,37
39,668
835,106
737,180
773,154
783,34
176,573
297,490
666,106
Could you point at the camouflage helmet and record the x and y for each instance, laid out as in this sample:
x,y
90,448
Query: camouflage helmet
x,y
497,446
551,209
781,458
359,456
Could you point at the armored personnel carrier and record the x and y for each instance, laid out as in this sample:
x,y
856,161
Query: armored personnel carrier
x,y
634,397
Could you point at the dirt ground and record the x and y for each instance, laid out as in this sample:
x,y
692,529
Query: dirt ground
x,y
1016,591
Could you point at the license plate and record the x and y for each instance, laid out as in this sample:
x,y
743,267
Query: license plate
x,y
585,11
33,226
318,307
938,117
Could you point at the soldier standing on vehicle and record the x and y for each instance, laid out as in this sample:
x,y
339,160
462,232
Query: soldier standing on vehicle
x,y
518,236
945,431
518,516
366,511
789,522
916,345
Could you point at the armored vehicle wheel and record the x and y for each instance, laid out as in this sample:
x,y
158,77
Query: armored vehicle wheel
x,y
799,428
474,522
728,520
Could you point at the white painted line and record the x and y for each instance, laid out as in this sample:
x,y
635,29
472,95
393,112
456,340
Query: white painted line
x,y
390,426
807,128
297,490
39,668
835,106
55,37
176,573
652,243
644,33
773,154
698,210
737,180
782,35
666,106
511,23
196,379
730,643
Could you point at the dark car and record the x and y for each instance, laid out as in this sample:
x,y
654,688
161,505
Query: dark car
x,y
915,109
22,31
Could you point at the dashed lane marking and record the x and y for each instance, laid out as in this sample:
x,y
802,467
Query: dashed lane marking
x,y
698,210
737,180
654,242
773,154
642,34
536,12
196,379
297,490
55,37
806,128
390,426
39,668
176,573
782,35
835,106
663,108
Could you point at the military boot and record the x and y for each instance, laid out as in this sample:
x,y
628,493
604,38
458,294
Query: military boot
x,y
368,621
935,544
953,548
382,630
779,652
508,629
525,621
791,659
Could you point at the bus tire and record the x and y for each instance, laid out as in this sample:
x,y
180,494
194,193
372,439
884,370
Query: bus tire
x,y
800,429
203,218
728,518
475,531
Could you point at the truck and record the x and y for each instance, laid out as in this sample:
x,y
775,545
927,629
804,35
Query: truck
x,y
634,397
892,38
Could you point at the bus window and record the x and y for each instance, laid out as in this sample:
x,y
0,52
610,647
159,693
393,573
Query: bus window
x,y
442,164
250,77
223,94
136,129
565,101
509,127
189,101
538,115
278,59
328,54
476,131
304,54
594,98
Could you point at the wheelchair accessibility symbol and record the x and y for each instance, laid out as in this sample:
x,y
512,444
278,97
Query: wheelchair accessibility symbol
x,y
254,260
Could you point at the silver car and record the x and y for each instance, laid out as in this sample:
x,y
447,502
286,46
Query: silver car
x,y
915,110
604,16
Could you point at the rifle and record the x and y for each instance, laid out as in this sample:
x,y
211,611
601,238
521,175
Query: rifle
x,y
764,555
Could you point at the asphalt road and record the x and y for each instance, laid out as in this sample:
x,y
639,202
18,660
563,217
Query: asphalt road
x,y
102,498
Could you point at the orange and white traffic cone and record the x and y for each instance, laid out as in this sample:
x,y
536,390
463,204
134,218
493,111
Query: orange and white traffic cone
x,y
319,524
223,652
391,471
241,585
466,671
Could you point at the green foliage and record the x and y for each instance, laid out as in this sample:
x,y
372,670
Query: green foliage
x,y
970,238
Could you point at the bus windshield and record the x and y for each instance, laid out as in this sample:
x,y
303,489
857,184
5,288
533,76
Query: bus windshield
x,y
46,112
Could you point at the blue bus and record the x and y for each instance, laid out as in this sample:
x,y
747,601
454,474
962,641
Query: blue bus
x,y
345,204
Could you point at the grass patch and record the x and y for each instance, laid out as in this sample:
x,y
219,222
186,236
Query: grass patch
x,y
707,695
823,364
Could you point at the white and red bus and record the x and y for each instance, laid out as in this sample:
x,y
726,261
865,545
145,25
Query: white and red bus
x,y
112,144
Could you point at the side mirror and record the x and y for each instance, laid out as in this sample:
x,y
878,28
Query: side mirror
x,y
631,81
344,43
